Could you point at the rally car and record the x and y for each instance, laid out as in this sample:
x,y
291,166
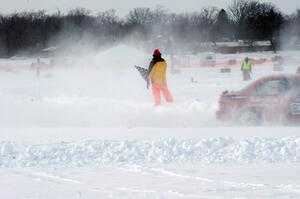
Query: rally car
x,y
274,98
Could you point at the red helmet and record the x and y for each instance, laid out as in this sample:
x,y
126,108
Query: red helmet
x,y
156,52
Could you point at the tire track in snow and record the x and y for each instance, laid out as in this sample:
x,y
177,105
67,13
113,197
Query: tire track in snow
x,y
290,188
48,177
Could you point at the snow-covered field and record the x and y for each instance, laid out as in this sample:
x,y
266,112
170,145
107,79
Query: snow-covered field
x,y
89,130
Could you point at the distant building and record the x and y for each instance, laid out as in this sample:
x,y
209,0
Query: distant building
x,y
242,46
233,46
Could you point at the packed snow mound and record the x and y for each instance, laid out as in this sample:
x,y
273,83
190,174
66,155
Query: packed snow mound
x,y
95,152
122,56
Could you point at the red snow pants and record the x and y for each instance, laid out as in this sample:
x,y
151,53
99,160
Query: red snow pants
x,y
156,89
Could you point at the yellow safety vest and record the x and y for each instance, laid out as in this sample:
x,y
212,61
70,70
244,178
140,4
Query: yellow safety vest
x,y
246,65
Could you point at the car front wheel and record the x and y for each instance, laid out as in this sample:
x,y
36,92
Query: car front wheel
x,y
249,117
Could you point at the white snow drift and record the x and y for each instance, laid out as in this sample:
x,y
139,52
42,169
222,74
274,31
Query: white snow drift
x,y
210,150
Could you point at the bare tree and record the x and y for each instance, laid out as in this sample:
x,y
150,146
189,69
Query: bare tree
x,y
251,20
159,15
139,16
238,10
109,25
256,21
203,22
222,30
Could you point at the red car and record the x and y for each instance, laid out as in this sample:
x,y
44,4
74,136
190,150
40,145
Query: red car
x,y
274,98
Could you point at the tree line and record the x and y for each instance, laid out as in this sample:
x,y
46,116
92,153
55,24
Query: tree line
x,y
34,31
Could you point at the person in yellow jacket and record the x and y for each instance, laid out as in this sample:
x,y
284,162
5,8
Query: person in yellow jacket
x,y
246,68
157,76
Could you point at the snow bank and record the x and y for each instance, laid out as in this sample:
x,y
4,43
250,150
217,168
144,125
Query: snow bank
x,y
123,56
206,150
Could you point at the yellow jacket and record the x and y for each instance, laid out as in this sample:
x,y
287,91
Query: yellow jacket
x,y
158,73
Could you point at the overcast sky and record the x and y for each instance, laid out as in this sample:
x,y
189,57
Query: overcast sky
x,y
124,6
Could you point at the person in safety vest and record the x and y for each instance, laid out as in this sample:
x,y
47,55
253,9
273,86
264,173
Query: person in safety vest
x,y
246,68
157,76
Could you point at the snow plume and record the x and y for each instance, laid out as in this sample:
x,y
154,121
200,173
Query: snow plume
x,y
69,43
290,35
206,150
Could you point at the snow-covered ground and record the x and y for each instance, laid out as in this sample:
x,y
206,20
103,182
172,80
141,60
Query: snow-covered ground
x,y
89,130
